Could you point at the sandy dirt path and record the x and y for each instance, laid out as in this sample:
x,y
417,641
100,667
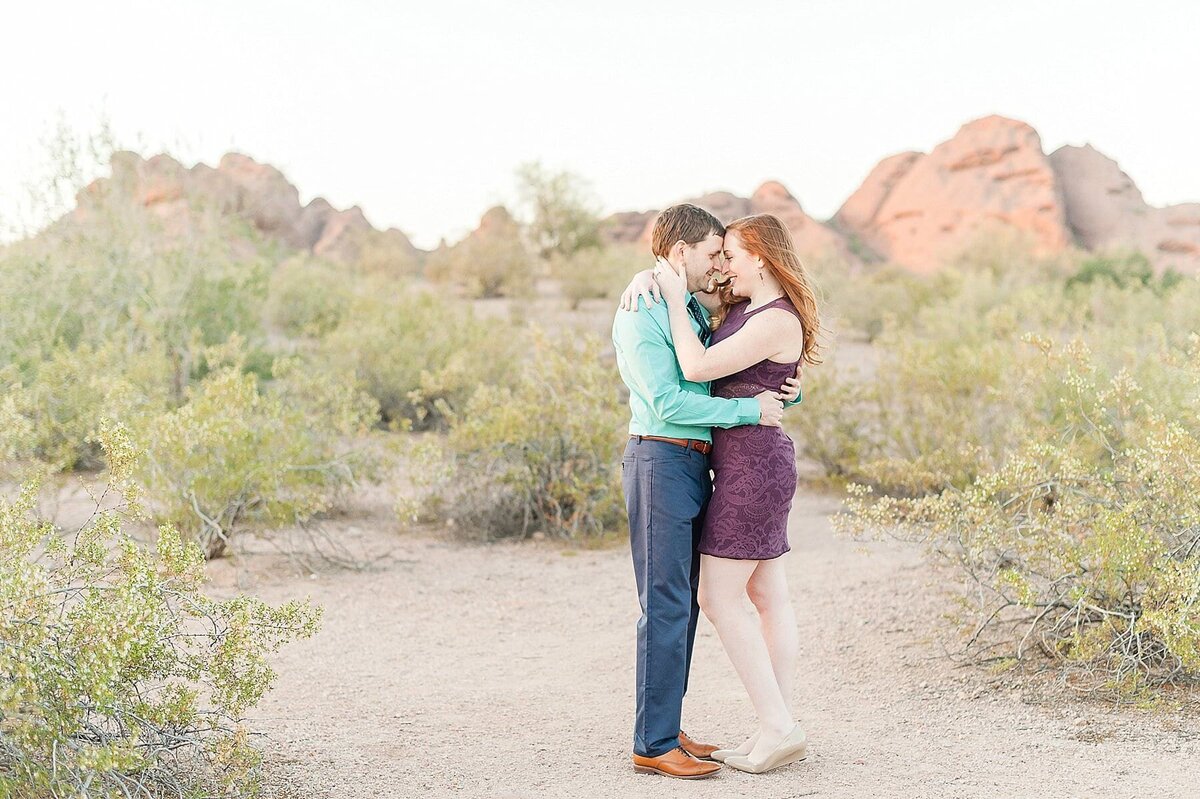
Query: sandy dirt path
x,y
507,671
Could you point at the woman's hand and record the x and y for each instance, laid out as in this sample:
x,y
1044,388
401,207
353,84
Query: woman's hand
x,y
672,284
642,285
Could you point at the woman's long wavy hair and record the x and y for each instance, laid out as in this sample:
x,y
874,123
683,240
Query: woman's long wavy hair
x,y
765,236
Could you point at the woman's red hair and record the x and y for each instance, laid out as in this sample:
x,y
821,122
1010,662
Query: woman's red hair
x,y
765,236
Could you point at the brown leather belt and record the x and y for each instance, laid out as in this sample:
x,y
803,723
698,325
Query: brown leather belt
x,y
703,447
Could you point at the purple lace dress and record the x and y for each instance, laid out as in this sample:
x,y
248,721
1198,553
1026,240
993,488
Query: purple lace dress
x,y
754,468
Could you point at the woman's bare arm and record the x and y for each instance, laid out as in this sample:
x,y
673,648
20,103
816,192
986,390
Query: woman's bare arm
x,y
765,335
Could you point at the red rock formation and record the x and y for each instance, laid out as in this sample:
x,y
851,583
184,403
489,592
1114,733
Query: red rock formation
x,y
1106,212
857,213
239,185
626,226
813,239
918,210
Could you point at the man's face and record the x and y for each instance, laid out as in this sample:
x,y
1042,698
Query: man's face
x,y
702,259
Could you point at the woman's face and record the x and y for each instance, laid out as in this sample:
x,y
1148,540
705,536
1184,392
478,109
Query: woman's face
x,y
740,266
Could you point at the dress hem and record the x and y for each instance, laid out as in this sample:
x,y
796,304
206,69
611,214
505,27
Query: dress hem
x,y
734,557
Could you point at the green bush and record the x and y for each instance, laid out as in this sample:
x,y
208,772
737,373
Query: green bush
x,y
1037,429
491,262
237,452
308,297
1129,269
954,389
862,303
118,675
119,274
539,454
835,429
419,355
72,390
598,272
386,254
1083,543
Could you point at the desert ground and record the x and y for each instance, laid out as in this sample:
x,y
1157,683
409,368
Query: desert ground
x,y
446,668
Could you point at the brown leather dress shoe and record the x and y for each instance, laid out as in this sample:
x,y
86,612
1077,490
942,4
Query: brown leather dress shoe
x,y
695,748
676,763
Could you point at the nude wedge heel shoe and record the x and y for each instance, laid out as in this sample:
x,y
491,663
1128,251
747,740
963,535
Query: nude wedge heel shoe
x,y
793,748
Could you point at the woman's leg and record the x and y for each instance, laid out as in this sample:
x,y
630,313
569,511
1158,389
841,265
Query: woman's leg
x,y
723,583
768,590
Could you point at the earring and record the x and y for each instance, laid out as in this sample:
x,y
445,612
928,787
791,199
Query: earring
x,y
761,279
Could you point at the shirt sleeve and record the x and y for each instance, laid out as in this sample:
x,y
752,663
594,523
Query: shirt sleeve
x,y
652,368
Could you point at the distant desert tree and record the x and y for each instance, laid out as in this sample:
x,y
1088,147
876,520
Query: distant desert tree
x,y
493,261
562,212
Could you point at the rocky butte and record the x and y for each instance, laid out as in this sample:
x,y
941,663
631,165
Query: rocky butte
x,y
238,186
919,209
916,210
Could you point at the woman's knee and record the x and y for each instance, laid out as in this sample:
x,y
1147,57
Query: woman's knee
x,y
767,594
722,585
717,601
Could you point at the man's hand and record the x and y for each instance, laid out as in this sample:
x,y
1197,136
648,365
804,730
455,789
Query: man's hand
x,y
770,408
643,283
791,387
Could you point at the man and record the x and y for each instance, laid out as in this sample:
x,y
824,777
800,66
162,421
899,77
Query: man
x,y
667,484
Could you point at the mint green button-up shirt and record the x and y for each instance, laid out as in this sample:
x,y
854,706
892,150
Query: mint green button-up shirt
x,y
662,402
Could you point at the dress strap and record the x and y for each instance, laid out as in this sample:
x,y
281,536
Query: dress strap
x,y
773,304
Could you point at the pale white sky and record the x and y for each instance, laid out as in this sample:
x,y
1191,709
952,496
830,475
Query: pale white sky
x,y
420,112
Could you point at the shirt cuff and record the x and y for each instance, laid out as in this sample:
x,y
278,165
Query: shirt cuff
x,y
748,410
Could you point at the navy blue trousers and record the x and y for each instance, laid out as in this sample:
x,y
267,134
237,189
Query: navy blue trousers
x,y
666,493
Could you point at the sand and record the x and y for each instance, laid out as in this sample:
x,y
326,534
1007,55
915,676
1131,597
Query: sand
x,y
506,670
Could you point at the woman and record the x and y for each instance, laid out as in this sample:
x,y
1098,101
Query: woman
x,y
766,326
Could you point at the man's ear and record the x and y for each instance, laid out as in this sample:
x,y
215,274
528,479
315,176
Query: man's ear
x,y
679,247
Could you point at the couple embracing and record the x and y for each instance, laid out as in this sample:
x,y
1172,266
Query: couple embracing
x,y
709,372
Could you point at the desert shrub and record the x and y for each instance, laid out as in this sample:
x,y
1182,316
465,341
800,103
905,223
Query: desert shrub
x,y
493,261
118,675
237,451
419,355
862,303
118,273
955,389
1083,544
835,429
598,272
384,253
540,454
72,390
308,297
1122,270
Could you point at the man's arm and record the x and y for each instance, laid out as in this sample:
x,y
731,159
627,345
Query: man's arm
x,y
651,366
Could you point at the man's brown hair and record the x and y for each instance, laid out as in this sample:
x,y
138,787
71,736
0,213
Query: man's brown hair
x,y
684,222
